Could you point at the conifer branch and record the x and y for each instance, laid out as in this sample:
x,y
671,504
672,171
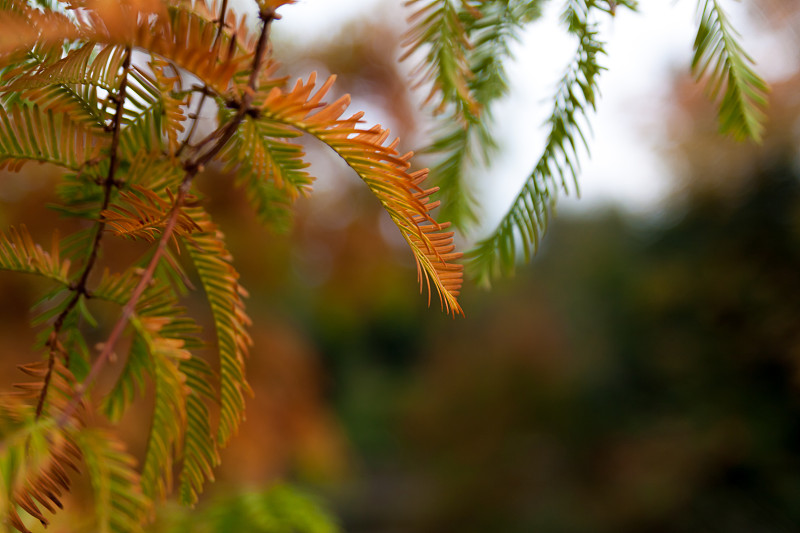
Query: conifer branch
x,y
205,88
719,56
465,140
192,167
559,165
79,289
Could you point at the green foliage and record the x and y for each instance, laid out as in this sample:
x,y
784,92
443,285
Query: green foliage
x,y
718,54
270,169
18,253
119,502
465,128
465,45
280,509
110,93
558,166
225,296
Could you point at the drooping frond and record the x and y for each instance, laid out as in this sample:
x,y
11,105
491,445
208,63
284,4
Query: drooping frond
x,y
120,506
464,140
718,54
28,133
382,168
169,411
269,168
183,386
200,455
162,349
37,453
440,25
18,253
435,254
558,166
225,296
142,214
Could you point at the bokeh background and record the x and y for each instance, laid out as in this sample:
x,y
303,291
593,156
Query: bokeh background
x,y
642,375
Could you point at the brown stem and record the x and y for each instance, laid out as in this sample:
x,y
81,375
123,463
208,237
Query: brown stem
x,y
192,167
130,305
221,26
79,288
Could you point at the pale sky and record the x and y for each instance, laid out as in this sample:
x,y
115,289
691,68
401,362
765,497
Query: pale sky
x,y
644,50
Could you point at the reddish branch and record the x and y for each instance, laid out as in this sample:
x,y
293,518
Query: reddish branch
x,y
192,167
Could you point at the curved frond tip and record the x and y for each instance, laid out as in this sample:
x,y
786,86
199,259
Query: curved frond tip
x,y
728,68
384,170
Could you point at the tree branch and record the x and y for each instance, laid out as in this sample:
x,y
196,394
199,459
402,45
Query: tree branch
x,y
205,90
192,168
79,288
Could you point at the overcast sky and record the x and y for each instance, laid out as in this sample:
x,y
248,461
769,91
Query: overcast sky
x,y
644,50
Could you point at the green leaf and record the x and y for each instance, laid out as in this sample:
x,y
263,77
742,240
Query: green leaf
x,y
269,168
120,506
558,166
719,57
18,253
200,455
225,296
465,140
28,133
169,412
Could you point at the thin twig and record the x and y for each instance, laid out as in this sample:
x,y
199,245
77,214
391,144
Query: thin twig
x,y
192,168
204,94
79,288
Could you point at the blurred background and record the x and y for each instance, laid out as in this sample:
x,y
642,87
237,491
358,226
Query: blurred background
x,y
642,375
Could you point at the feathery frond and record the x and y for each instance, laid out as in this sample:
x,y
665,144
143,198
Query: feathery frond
x,y
269,168
200,455
120,506
440,25
558,166
169,411
464,140
70,85
718,54
37,453
28,133
18,253
384,171
225,296
142,214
